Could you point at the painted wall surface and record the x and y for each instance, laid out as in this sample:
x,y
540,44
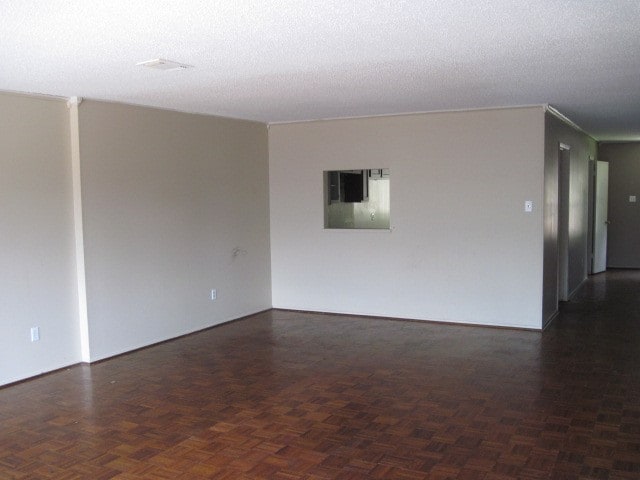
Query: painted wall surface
x,y
174,205
37,270
460,248
624,181
582,148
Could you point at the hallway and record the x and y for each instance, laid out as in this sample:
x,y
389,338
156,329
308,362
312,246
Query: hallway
x,y
292,395
591,355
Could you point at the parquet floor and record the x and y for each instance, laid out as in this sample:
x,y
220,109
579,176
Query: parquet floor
x,y
285,395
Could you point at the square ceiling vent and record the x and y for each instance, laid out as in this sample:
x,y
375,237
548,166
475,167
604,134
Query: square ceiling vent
x,y
162,64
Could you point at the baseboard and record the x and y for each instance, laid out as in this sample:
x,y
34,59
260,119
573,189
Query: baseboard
x,y
575,290
170,339
550,319
66,367
407,319
43,374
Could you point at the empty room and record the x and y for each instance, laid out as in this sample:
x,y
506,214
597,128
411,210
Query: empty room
x,y
336,240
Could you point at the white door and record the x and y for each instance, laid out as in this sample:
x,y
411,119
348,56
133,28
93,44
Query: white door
x,y
600,218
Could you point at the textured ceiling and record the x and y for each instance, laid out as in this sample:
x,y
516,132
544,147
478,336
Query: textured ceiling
x,y
286,60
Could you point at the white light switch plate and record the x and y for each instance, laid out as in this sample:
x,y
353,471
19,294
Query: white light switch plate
x,y
528,206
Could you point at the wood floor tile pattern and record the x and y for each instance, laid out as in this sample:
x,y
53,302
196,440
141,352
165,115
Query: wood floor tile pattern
x,y
291,396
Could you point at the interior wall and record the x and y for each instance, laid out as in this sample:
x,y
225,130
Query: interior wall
x,y
174,205
37,269
460,248
582,148
624,215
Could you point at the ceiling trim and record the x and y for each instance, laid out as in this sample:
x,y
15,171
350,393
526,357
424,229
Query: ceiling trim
x,y
43,96
563,118
405,114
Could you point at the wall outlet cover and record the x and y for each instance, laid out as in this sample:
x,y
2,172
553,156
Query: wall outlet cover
x,y
35,334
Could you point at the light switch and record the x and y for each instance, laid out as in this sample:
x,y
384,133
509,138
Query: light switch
x,y
632,199
528,206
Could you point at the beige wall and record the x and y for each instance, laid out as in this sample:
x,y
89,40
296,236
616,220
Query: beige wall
x,y
177,204
37,269
582,148
173,205
624,181
461,248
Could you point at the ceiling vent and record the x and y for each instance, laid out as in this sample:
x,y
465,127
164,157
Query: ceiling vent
x,y
162,64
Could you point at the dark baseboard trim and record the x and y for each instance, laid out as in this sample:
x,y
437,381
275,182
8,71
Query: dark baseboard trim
x,y
413,320
39,375
550,320
195,332
245,317
577,289
88,364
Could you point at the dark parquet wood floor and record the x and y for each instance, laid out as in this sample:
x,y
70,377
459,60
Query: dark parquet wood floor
x,y
285,395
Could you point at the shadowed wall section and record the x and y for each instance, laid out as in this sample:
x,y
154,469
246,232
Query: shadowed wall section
x,y
624,215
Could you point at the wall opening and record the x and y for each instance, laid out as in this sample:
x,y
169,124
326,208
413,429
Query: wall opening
x,y
357,199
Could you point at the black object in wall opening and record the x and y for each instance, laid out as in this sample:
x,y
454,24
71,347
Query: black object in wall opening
x,y
353,184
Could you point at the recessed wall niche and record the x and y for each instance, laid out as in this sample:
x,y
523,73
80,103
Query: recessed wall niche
x,y
357,199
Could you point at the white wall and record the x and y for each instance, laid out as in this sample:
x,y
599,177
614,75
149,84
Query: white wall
x,y
624,181
177,204
582,148
37,272
460,249
173,205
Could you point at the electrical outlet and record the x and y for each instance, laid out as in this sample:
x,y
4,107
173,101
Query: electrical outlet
x,y
35,334
214,294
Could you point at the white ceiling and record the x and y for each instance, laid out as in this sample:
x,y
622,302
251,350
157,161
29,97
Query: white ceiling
x,y
287,60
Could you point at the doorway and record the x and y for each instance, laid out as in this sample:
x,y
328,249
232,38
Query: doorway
x,y
564,185
600,217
